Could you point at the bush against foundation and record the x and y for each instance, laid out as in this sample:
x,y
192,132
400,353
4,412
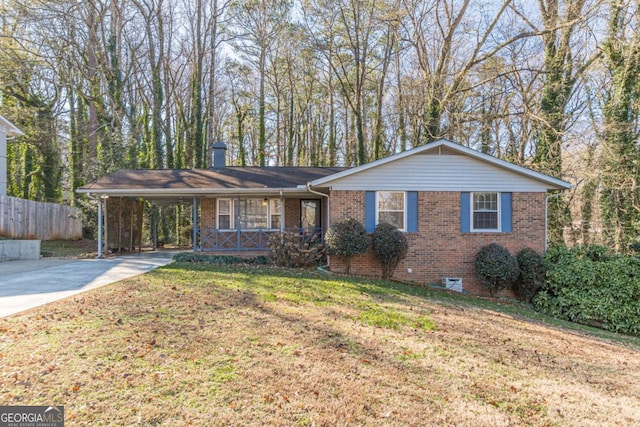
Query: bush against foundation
x,y
532,274
496,268
389,246
297,249
346,238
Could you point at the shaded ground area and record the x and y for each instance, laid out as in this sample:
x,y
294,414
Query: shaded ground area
x,y
192,345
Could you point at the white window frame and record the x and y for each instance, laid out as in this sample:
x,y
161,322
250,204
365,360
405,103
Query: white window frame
x,y
232,217
404,211
273,210
233,206
499,213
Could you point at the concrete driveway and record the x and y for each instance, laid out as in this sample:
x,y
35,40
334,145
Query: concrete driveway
x,y
29,284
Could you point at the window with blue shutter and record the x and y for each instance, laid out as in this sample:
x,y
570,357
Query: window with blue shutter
x,y
485,212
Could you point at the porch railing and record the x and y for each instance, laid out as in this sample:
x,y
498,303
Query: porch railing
x,y
216,240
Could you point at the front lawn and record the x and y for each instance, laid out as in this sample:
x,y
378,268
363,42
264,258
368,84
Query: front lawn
x,y
191,344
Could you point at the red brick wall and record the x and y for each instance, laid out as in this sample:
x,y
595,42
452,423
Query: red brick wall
x,y
439,249
291,213
207,213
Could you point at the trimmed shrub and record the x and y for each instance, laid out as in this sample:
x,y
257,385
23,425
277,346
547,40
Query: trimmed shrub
x,y
496,268
218,259
588,286
532,274
389,246
346,238
297,250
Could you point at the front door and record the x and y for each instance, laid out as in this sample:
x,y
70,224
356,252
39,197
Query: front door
x,y
310,216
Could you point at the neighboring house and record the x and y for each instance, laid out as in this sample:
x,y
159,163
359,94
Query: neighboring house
x,y
449,200
7,131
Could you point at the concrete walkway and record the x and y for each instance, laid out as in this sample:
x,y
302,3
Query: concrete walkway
x,y
29,284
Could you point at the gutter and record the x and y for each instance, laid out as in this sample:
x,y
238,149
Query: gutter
x,y
183,192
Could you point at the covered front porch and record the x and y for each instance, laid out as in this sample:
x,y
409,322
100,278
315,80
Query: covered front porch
x,y
219,223
247,224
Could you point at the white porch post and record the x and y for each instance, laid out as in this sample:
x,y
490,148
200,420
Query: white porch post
x,y
100,227
282,211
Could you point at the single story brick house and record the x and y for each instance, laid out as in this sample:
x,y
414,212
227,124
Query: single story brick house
x,y
450,201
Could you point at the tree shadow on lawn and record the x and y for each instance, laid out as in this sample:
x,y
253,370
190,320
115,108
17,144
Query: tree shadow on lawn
x,y
315,286
320,288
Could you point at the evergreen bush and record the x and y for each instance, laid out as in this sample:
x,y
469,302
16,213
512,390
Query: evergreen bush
x,y
586,286
389,247
346,238
495,267
532,274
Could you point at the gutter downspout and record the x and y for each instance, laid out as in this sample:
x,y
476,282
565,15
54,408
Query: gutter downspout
x,y
546,217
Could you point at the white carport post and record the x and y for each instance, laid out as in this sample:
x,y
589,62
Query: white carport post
x,y
100,199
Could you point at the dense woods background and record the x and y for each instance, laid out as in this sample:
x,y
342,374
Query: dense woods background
x,y
99,85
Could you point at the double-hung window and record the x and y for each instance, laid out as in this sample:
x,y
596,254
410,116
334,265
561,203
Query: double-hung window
x,y
485,212
391,208
275,213
225,214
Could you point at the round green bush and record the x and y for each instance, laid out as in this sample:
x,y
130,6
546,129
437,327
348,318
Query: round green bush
x,y
496,268
346,238
389,246
532,274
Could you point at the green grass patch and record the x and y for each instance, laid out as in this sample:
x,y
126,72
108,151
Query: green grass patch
x,y
310,287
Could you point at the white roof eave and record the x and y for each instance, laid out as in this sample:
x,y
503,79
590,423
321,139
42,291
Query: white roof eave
x,y
10,128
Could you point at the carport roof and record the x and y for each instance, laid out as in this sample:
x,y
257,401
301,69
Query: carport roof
x,y
173,182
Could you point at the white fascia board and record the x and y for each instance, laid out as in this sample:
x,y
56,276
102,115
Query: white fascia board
x,y
10,128
554,182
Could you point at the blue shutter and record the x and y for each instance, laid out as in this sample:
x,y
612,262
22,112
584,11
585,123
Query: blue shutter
x,y
412,212
465,212
370,211
505,217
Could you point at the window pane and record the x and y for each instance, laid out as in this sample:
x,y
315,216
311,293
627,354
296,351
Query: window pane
x,y
253,213
224,207
485,201
390,201
394,218
224,222
276,206
485,220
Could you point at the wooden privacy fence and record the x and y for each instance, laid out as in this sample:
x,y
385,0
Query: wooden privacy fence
x,y
26,219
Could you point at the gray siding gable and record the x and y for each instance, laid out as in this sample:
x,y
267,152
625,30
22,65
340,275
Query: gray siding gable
x,y
441,166
438,173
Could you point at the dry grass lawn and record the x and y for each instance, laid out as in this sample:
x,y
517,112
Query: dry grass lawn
x,y
248,346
